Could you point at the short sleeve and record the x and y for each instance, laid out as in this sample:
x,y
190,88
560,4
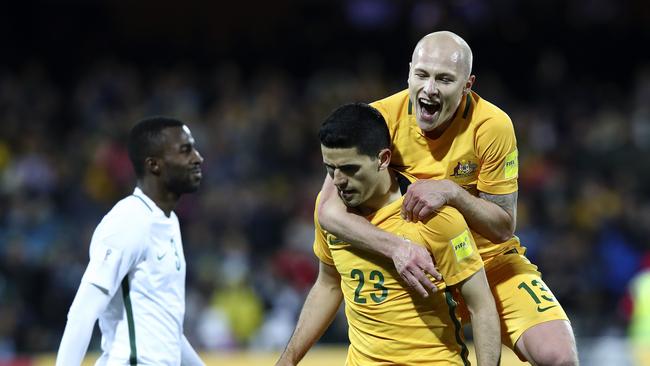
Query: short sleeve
x,y
496,146
452,245
321,249
115,248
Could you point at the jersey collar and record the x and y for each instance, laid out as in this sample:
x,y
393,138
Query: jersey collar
x,y
151,205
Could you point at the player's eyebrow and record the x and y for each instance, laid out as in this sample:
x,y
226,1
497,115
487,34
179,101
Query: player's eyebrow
x,y
344,166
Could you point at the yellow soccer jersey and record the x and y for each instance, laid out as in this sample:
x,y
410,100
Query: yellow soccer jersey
x,y
478,151
389,324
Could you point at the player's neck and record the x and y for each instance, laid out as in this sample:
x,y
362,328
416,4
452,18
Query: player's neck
x,y
162,197
387,191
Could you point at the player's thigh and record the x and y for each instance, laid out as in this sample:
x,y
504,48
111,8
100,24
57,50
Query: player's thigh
x,y
522,298
549,343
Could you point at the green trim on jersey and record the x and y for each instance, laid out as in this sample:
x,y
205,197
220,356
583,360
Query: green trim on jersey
x,y
143,201
410,112
451,303
133,358
468,104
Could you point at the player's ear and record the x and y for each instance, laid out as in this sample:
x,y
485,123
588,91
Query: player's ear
x,y
152,165
469,83
384,159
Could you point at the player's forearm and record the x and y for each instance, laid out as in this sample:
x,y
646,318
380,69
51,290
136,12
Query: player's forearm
x,y
334,217
74,343
487,337
317,313
189,357
485,217
486,328
84,311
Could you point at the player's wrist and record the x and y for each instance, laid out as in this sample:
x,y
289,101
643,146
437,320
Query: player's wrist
x,y
290,357
397,246
389,250
453,193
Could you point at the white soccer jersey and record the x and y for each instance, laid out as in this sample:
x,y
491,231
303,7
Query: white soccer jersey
x,y
136,255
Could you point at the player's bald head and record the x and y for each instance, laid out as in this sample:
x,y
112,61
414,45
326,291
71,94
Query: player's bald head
x,y
445,44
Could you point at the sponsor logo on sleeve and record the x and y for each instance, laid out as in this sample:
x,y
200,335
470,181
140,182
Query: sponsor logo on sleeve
x,y
512,165
462,246
108,253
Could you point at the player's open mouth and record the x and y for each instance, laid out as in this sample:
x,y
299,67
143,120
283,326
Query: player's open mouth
x,y
197,173
428,108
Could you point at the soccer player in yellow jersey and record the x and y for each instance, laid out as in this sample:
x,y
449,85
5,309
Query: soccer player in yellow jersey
x,y
463,151
388,323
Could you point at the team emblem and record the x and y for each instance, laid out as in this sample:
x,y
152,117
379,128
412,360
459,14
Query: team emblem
x,y
465,168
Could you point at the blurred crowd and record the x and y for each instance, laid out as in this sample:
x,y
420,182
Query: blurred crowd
x,y
584,207
584,184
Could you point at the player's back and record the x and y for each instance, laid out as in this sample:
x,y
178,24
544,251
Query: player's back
x,y
389,324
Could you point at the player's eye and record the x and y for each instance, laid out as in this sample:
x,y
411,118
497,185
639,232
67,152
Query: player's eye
x,y
350,170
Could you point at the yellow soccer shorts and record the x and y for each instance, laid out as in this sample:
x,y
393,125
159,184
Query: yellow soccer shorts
x,y
522,299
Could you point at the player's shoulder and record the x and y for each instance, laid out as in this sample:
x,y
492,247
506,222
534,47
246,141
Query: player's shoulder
x,y
125,226
446,223
487,113
316,203
130,212
393,106
316,217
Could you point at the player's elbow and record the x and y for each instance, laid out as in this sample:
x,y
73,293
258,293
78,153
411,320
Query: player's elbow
x,y
502,233
486,310
479,298
327,213
503,236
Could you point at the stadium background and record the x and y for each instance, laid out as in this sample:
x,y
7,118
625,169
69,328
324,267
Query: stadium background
x,y
254,81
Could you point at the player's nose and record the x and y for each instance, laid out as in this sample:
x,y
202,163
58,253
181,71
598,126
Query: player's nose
x,y
430,87
198,158
339,179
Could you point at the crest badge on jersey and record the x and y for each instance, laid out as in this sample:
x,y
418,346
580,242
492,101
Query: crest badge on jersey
x,y
464,169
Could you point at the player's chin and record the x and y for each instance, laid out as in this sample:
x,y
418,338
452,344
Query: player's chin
x,y
426,125
191,186
350,202
195,184
430,122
